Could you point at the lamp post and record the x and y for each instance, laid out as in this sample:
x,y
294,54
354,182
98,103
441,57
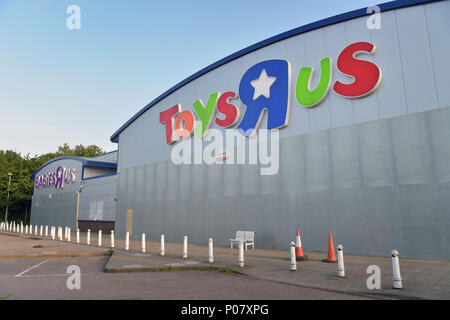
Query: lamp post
x,y
7,197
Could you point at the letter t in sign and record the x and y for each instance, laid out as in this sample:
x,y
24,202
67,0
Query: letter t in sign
x,y
168,118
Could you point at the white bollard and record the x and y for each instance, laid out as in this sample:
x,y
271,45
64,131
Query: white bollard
x,y
35,230
78,235
396,270
185,244
46,231
162,252
340,261
210,251
69,236
21,228
41,230
26,229
88,236
127,241
65,233
143,243
112,238
293,259
241,254
99,238
60,233
53,232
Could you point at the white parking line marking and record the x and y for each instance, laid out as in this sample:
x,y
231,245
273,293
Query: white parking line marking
x,y
45,275
23,272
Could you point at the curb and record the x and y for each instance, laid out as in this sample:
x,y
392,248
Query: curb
x,y
379,295
163,269
201,267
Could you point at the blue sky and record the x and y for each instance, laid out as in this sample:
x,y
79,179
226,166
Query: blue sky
x,y
79,86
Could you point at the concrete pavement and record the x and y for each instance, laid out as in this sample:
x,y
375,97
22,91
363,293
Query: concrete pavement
x,y
45,278
15,245
422,279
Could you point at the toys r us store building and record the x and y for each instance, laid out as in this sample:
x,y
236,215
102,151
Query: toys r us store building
x,y
363,117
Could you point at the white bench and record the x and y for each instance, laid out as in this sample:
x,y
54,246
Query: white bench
x,y
247,237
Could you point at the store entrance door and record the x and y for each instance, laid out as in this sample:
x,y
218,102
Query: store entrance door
x,y
130,221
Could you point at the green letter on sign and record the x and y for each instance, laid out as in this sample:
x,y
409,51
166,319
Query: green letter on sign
x,y
205,114
305,95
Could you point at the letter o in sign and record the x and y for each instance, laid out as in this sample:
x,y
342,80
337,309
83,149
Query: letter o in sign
x,y
188,118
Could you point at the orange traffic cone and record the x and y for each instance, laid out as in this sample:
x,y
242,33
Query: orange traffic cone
x,y
299,255
331,254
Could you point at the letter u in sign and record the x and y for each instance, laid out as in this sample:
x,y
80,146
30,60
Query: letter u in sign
x,y
305,95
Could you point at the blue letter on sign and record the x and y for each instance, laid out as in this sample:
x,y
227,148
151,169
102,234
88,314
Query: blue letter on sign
x,y
265,86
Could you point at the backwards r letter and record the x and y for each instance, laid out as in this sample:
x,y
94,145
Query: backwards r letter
x,y
265,86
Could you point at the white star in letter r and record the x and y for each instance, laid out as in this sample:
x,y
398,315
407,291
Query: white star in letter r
x,y
262,85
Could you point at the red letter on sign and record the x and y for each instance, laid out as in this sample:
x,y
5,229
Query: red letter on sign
x,y
188,119
367,74
230,111
167,117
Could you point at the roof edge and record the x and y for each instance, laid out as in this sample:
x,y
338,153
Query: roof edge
x,y
386,6
84,161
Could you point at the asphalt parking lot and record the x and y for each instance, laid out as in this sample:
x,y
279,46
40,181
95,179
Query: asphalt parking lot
x,y
46,278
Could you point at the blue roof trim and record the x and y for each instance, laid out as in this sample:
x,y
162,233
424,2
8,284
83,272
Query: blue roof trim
x,y
91,163
282,36
86,163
